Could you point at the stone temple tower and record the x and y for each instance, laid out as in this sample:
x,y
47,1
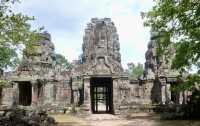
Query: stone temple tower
x,y
101,68
37,82
101,47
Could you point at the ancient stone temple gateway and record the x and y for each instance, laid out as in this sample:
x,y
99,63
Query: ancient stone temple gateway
x,y
101,71
97,82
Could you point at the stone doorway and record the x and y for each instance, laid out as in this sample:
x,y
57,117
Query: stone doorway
x,y
25,93
101,95
174,94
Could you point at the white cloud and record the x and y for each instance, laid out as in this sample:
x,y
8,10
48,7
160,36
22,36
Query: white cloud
x,y
66,20
67,44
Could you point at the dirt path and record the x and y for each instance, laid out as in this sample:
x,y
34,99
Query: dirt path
x,y
137,119
102,120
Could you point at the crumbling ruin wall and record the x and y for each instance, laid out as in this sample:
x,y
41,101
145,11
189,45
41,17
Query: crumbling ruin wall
x,y
53,86
63,94
158,69
57,94
45,83
135,92
9,95
77,83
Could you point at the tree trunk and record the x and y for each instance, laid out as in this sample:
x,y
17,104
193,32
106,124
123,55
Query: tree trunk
x,y
0,95
1,74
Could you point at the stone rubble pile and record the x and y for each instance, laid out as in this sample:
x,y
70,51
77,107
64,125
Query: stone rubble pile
x,y
22,117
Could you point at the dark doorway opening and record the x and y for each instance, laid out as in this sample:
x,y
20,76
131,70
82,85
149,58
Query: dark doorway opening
x,y
101,94
174,94
25,93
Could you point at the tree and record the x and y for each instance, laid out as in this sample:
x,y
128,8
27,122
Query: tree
x,y
62,61
15,30
177,22
135,71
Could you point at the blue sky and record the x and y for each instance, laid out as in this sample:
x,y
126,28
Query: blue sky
x,y
65,20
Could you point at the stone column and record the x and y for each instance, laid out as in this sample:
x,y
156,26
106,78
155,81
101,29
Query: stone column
x,y
15,92
181,98
163,90
87,98
140,91
185,97
163,97
115,96
34,101
168,93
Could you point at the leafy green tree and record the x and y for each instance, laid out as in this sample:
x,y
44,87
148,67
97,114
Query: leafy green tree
x,y
62,61
15,30
178,22
135,71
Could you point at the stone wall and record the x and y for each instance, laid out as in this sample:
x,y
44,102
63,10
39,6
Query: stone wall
x,y
54,86
50,85
10,95
136,92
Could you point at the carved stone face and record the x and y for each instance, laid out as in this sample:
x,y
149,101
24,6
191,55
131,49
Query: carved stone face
x,y
101,61
104,42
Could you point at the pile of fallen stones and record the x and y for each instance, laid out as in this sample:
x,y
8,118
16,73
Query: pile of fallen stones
x,y
172,112
22,117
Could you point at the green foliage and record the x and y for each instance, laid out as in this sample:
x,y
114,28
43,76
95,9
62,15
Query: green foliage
x,y
135,71
62,61
15,30
190,83
178,22
3,82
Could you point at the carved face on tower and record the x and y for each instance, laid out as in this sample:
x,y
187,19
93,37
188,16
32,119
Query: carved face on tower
x,y
102,33
101,40
101,66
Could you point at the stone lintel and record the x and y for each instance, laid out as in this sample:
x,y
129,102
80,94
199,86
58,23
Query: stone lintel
x,y
171,79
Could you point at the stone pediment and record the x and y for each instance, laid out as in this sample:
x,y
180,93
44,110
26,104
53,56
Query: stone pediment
x,y
101,67
16,78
